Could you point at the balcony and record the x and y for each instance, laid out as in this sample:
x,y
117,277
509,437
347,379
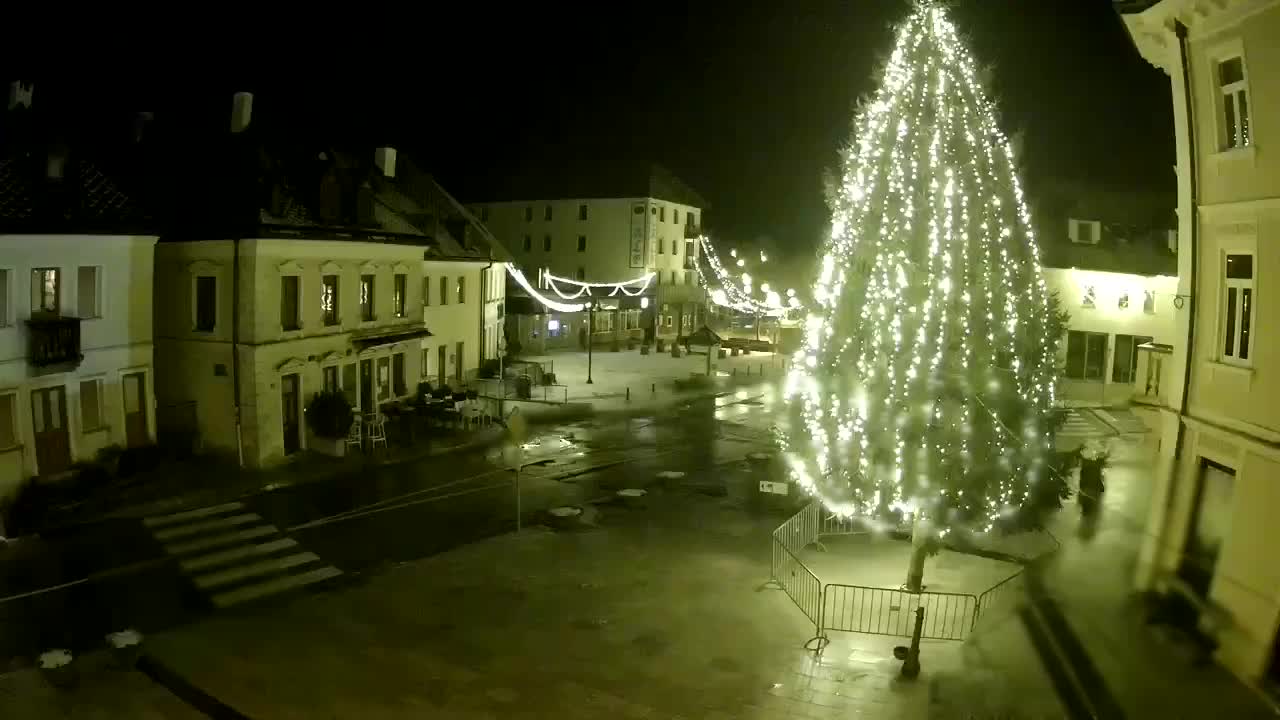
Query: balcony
x,y
54,340
692,232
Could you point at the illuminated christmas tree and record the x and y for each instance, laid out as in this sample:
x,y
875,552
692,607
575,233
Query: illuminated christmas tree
x,y
924,390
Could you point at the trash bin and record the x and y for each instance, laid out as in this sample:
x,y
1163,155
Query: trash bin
x,y
524,387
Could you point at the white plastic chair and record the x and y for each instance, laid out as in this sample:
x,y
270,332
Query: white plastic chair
x,y
378,431
354,434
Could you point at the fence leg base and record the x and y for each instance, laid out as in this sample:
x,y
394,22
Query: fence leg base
x,y
817,545
771,584
817,643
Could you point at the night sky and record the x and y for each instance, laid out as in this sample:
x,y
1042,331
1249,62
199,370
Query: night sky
x,y
747,101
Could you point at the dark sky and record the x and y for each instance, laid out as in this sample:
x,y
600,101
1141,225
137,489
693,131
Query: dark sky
x,y
747,101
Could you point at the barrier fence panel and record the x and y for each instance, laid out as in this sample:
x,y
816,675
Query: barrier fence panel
x,y
799,531
798,582
882,611
1000,599
833,524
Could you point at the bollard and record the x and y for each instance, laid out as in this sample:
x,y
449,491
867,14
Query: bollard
x,y
654,388
735,372
628,394
911,664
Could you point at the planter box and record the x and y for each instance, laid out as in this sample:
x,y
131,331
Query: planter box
x,y
327,446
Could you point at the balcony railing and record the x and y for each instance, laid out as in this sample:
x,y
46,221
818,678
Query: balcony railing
x,y
54,340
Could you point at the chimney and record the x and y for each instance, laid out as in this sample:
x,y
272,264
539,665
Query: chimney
x,y
385,159
241,111
20,94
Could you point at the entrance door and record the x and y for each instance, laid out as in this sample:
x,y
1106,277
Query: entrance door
x,y
135,409
289,415
442,357
457,365
49,426
366,386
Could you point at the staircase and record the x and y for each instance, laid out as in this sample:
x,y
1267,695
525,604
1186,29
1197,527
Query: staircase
x,y
233,556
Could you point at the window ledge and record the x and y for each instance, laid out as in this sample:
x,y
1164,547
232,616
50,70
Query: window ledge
x,y
1230,368
98,429
1249,152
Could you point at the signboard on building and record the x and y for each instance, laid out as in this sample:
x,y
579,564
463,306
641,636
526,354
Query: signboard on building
x,y
638,226
653,236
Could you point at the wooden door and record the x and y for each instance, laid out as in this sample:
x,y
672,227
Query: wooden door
x,y
49,426
135,409
289,413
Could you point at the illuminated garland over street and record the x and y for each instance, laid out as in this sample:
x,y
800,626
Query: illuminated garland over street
x,y
629,288
926,380
736,294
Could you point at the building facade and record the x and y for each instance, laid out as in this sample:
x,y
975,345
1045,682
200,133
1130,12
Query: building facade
x,y
1211,526
1110,255
604,230
76,370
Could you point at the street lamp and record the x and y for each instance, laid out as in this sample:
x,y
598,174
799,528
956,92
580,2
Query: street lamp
x,y
591,326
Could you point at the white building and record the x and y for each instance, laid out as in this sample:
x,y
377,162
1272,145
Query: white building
x,y
75,317
1212,525
605,227
311,276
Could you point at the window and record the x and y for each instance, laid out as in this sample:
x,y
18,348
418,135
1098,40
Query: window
x,y
1149,302
528,243
4,297
673,278
675,247
484,213
546,213
662,246
1084,232
675,216
688,278
444,290
8,424
1124,367
384,378
426,356
582,273
329,378
329,299
91,405
1090,297
1235,103
400,287
691,220
662,214
289,302
1237,308
1086,355
528,214
1123,302
582,243
582,212
349,384
88,292
462,289
397,374
206,303
366,298
546,243
46,290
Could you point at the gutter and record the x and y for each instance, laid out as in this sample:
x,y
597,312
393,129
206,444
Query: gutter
x,y
235,346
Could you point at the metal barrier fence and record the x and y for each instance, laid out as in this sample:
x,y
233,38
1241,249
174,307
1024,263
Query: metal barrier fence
x,y
882,611
999,598
872,610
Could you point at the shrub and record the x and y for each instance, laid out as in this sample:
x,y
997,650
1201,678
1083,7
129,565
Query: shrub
x,y
329,415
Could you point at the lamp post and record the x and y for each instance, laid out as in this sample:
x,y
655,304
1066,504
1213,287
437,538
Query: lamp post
x,y
591,326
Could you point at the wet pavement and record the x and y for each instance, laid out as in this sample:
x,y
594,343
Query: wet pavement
x,y
116,574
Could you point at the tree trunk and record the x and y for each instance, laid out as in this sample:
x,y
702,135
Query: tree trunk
x,y
915,571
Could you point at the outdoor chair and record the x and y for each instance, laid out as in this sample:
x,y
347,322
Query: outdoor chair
x,y
354,435
378,430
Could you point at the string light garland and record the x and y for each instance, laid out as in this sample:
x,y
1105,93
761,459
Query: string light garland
x,y
925,381
629,288
726,291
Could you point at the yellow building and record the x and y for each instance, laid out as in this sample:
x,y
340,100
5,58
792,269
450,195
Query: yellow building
x,y
1212,529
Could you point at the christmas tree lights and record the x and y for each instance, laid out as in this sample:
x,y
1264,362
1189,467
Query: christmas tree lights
x,y
926,379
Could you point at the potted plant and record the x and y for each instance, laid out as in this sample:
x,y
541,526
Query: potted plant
x,y
125,646
1094,457
57,668
329,418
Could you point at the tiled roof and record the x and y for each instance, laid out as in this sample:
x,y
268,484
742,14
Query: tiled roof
x,y
85,199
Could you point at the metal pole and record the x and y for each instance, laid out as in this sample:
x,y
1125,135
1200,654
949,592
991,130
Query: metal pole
x,y
911,665
519,466
591,326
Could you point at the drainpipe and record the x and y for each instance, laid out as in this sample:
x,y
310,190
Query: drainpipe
x,y
1180,31
235,344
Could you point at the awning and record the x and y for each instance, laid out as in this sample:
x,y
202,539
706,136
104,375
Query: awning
x,y
388,336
